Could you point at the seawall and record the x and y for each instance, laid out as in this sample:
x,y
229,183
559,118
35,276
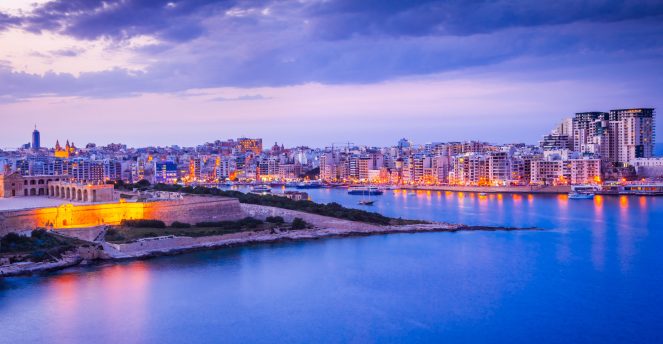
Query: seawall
x,y
550,189
191,209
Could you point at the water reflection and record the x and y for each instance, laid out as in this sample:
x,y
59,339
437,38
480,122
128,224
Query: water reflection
x,y
601,257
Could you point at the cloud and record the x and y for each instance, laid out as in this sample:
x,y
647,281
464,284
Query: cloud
x,y
204,43
344,18
240,98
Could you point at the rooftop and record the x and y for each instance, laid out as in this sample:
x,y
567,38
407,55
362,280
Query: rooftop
x,y
17,203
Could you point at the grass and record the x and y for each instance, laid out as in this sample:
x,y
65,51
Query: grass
x,y
127,234
40,246
331,209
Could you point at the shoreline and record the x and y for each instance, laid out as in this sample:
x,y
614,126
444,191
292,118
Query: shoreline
x,y
174,247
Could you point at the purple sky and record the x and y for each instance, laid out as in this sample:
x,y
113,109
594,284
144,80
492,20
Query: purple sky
x,y
315,72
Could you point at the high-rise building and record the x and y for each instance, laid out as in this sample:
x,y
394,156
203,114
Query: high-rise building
x,y
636,137
618,136
36,140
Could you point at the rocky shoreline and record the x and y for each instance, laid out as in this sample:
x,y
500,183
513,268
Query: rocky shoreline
x,y
180,245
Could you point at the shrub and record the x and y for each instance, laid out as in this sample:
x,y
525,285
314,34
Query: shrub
x,y
298,223
143,223
245,223
178,224
331,209
275,219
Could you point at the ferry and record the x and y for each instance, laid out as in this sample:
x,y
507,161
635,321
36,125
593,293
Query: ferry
x,y
261,189
583,192
309,185
364,190
580,195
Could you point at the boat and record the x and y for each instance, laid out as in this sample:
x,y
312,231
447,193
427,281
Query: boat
x,y
482,194
309,185
580,195
261,189
582,191
276,184
366,202
364,190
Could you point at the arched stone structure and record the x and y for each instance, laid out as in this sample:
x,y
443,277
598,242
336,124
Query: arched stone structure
x,y
78,192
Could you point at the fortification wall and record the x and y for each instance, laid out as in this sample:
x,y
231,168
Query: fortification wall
x,y
189,209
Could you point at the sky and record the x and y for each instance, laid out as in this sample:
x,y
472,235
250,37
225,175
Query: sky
x,y
317,72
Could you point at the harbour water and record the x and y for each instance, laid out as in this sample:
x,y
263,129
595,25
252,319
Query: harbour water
x,y
595,274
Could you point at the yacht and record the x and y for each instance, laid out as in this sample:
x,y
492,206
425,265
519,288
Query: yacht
x,y
364,190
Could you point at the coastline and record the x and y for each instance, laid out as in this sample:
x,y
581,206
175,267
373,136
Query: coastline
x,y
549,189
183,245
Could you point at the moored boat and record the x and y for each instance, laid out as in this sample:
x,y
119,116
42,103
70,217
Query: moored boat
x,y
364,190
581,195
261,189
309,185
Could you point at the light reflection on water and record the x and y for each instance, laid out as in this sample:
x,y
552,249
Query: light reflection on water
x,y
592,275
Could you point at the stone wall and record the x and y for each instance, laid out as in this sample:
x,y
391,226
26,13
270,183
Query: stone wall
x,y
190,209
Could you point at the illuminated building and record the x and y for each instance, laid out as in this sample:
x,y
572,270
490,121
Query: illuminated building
x,y
250,145
618,136
66,152
499,168
16,185
637,136
165,172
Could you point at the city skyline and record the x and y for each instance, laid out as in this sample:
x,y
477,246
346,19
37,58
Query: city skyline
x,y
311,73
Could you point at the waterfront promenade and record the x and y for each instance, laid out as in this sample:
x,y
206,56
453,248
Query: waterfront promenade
x,y
535,189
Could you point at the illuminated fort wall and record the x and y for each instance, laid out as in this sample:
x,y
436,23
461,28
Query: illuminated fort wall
x,y
189,209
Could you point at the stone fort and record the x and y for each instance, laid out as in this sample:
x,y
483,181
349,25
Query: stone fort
x,y
189,209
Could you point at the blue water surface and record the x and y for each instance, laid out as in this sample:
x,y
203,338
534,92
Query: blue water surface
x,y
594,274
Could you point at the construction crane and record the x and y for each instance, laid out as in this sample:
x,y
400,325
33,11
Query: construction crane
x,y
343,143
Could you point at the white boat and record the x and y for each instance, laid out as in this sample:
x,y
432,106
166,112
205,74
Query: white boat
x,y
261,189
580,195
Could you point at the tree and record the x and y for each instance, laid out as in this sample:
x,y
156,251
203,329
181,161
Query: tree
x,y
298,223
275,219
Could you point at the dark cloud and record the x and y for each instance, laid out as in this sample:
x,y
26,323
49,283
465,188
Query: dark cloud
x,y
7,21
343,18
121,19
273,43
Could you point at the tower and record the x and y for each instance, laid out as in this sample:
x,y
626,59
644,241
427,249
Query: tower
x,y
36,144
